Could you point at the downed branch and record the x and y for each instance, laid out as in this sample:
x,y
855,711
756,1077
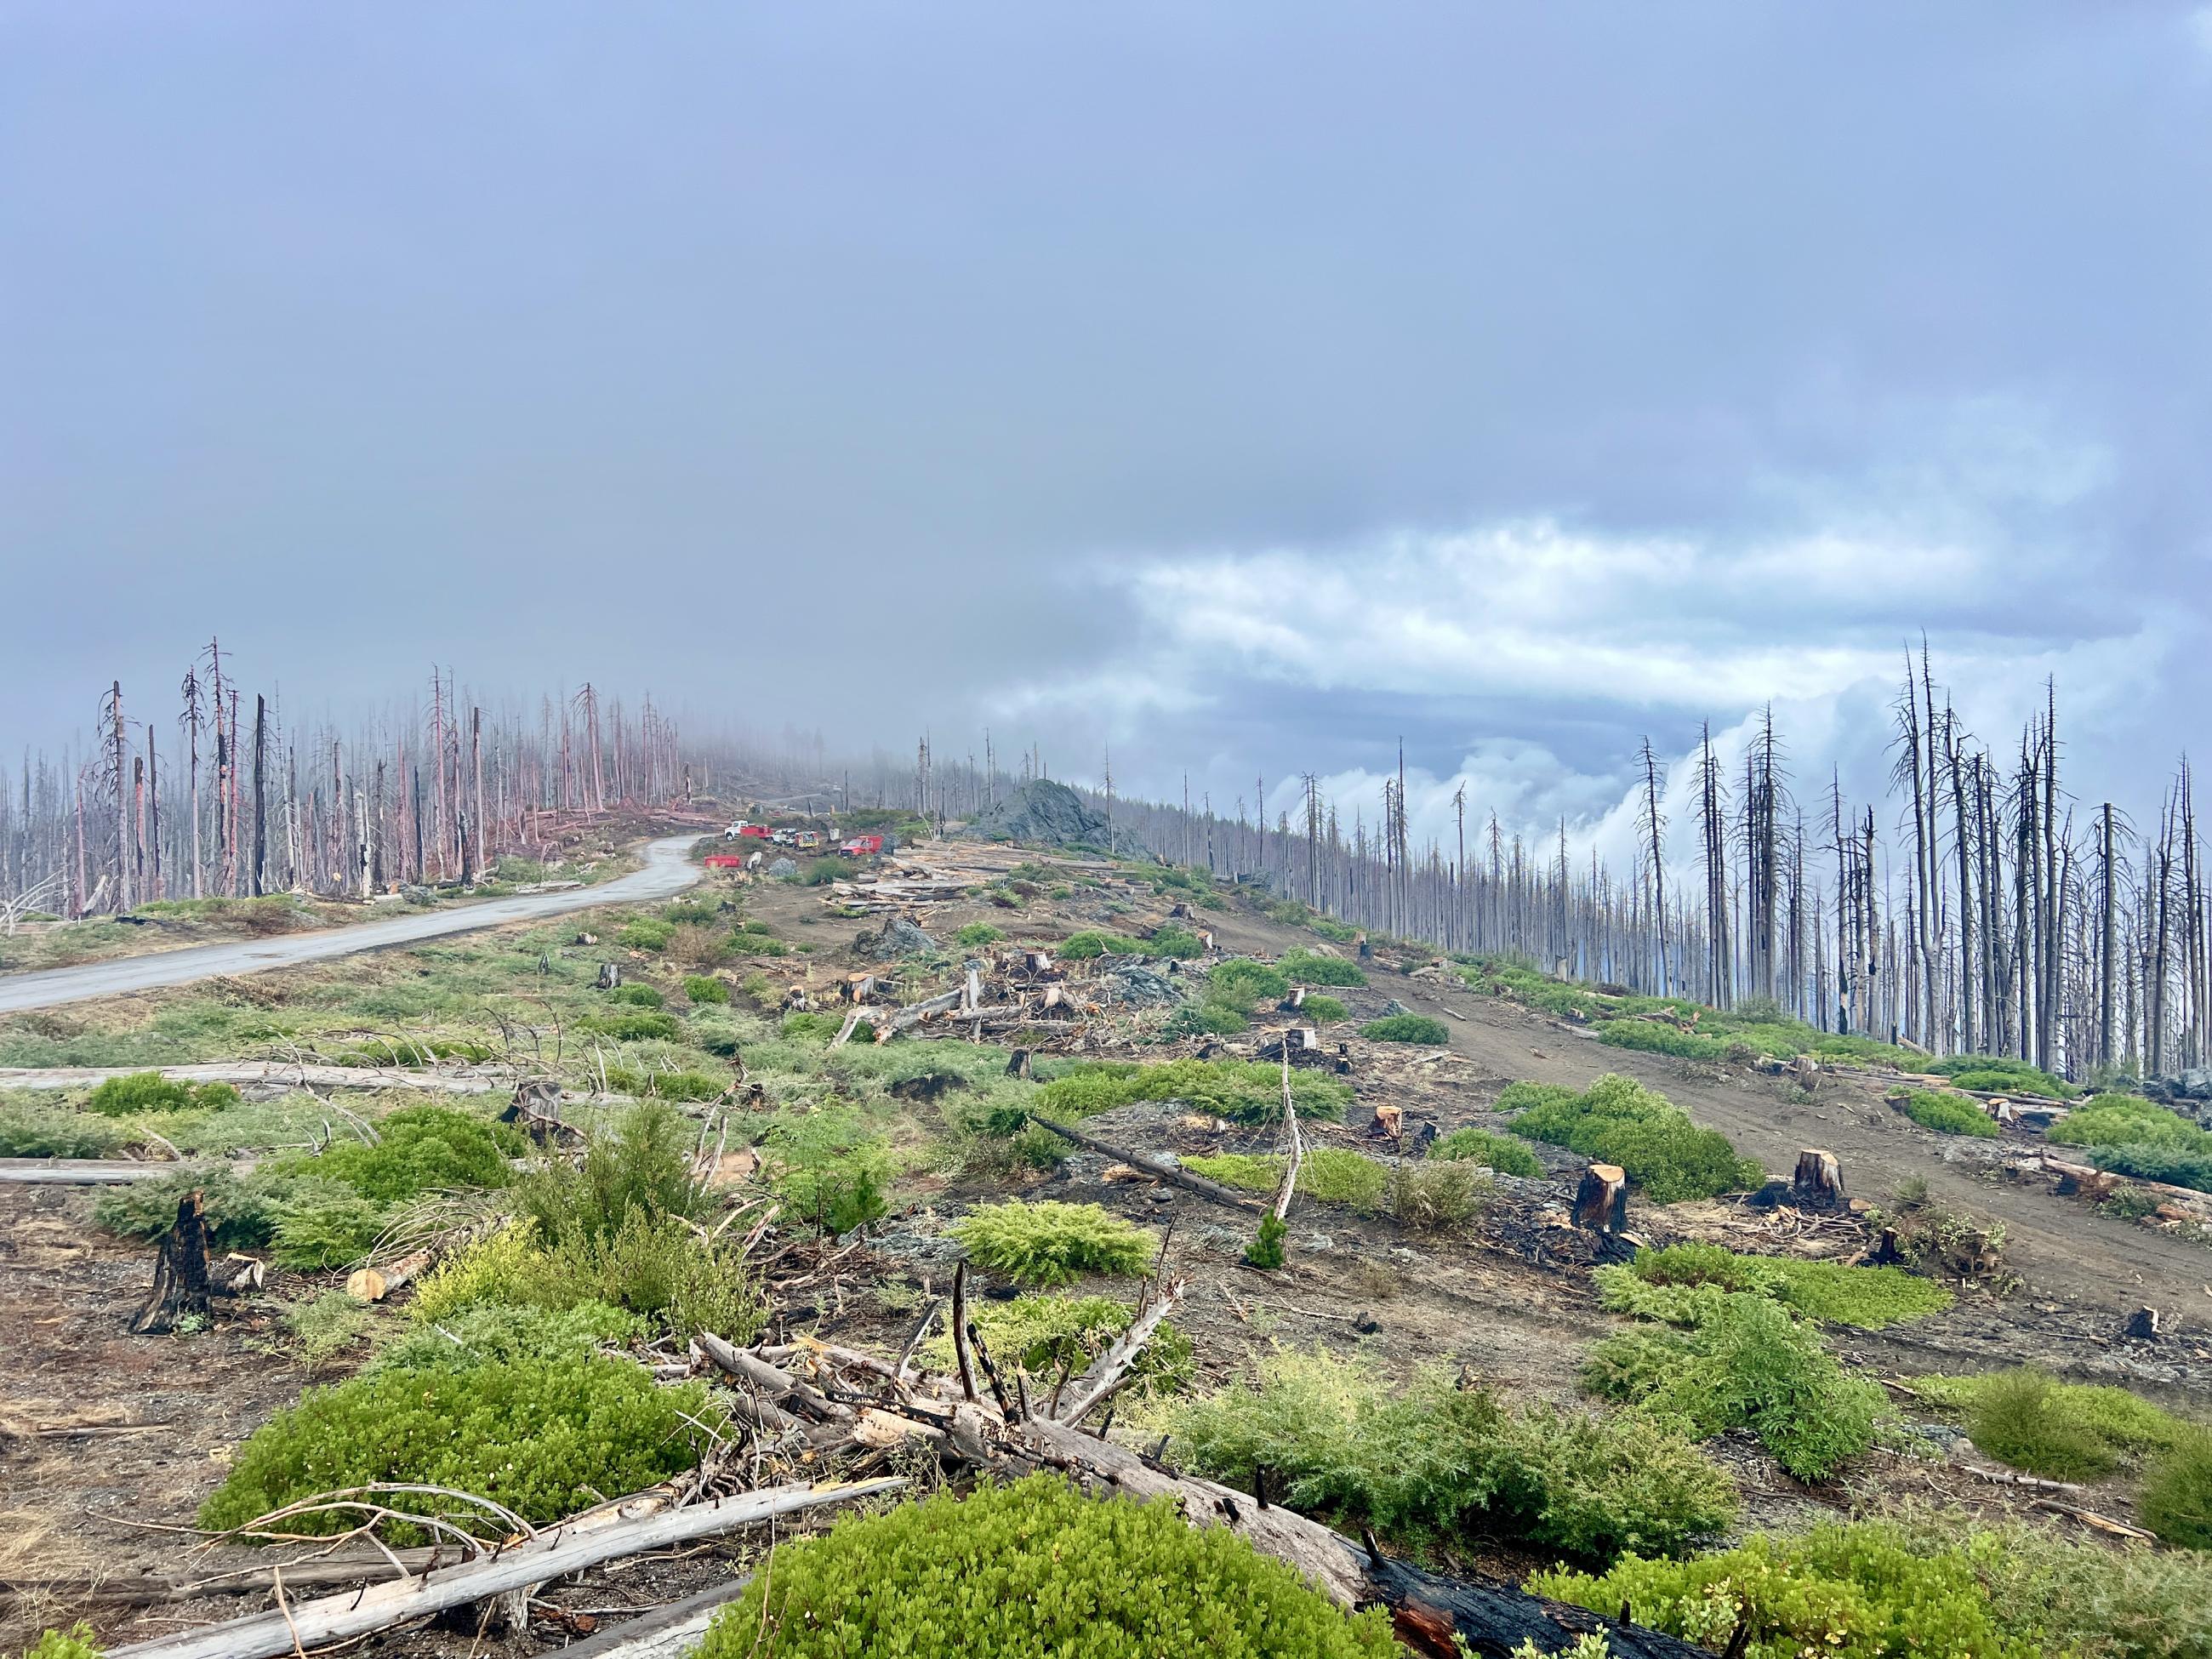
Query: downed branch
x,y
551,1554
1152,1165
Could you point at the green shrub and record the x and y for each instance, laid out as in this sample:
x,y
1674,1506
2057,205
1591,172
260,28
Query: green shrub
x,y
690,912
241,1215
29,1129
1051,1336
2121,1120
1051,1243
326,1224
1206,1018
76,1643
1243,1090
1493,1152
704,990
423,1149
1091,943
1868,1297
1747,1364
2030,1419
643,1163
1443,1197
481,1333
1948,1115
546,1437
1337,933
755,926
640,1025
976,935
1861,1591
1304,967
1648,1037
646,933
1437,1462
824,872
149,1092
1323,1011
510,1267
2177,1497
636,995
1617,1120
1265,1249
666,1086
2151,1162
1244,984
1032,1569
824,1027
829,1171
1406,1028
2001,1074
327,1326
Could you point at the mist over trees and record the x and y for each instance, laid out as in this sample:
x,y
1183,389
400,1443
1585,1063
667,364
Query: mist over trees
x,y
1975,906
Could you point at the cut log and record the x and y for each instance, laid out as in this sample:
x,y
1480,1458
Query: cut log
x,y
1602,1200
374,1283
1817,1184
82,1171
1153,1164
332,1618
260,1073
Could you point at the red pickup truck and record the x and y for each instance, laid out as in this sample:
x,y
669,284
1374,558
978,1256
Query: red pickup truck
x,y
861,846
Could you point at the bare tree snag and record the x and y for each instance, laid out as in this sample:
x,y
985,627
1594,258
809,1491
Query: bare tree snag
x,y
180,1271
1602,1200
1819,1183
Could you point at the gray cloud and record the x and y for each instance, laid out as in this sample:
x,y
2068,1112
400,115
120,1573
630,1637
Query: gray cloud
x,y
864,365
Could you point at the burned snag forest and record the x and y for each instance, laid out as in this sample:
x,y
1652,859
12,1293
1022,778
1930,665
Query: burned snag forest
x,y
959,1211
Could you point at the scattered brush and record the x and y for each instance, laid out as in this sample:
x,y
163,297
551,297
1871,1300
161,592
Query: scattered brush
x,y
1051,1243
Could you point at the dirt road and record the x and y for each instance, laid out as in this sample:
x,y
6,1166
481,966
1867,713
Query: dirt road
x,y
666,871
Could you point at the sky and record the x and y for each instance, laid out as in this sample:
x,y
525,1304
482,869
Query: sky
x,y
1241,387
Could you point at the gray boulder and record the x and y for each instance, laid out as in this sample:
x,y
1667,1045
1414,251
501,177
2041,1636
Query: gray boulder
x,y
1043,812
898,938
783,868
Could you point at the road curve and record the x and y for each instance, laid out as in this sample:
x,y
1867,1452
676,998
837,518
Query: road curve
x,y
667,871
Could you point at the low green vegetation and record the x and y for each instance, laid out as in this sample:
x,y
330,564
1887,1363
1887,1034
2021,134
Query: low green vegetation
x,y
1679,1283
76,1643
1949,1115
2176,1495
544,1436
704,991
646,933
1491,1151
637,994
1999,1075
1407,1028
1051,1243
1051,1336
1434,1462
1303,967
1244,1091
1035,1568
976,935
2063,1430
32,1127
1333,1175
1323,1011
2132,1136
149,1092
1746,1363
829,1168
1091,943
1245,984
1617,1120
1920,1582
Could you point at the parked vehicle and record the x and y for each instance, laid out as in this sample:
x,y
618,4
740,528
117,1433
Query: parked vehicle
x,y
861,846
810,840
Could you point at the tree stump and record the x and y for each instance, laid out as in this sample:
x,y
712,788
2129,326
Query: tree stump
x,y
1389,1122
1819,1183
1017,1063
180,1271
2143,1325
610,976
1602,1200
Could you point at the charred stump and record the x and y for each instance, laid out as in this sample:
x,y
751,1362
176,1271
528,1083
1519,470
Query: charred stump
x,y
1602,1200
180,1271
1819,1183
609,977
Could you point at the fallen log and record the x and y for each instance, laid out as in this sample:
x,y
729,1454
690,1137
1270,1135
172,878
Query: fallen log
x,y
551,1554
1153,1164
83,1171
285,1073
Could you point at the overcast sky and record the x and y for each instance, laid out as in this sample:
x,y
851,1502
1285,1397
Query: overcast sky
x,y
1244,386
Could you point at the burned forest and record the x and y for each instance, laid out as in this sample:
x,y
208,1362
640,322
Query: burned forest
x,y
1795,1240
